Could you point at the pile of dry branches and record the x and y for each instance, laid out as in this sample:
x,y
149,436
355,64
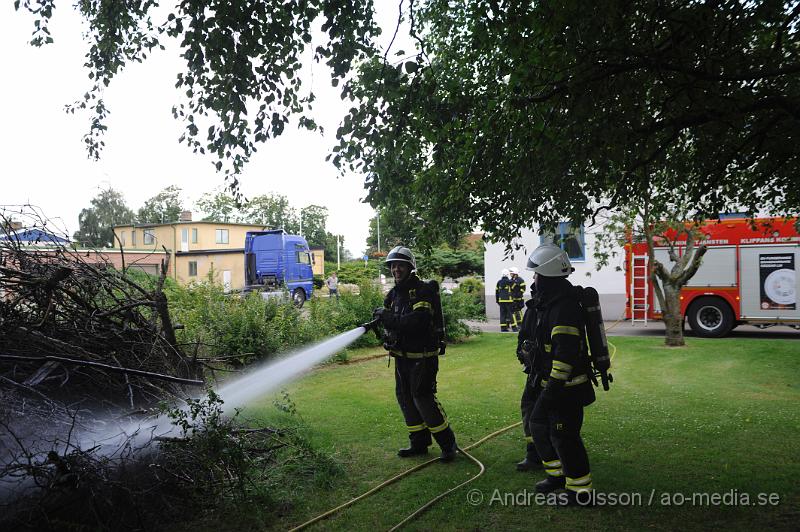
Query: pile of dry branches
x,y
80,343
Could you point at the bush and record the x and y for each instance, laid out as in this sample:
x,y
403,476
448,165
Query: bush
x,y
472,285
217,463
456,307
233,325
348,312
241,328
355,272
445,262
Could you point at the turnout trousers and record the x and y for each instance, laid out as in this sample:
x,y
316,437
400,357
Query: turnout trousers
x,y
507,315
557,435
529,395
518,305
415,388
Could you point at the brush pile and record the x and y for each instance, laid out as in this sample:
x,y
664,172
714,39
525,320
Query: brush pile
x,y
81,343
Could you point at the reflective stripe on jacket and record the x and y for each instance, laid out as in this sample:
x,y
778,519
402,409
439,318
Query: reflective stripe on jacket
x,y
502,292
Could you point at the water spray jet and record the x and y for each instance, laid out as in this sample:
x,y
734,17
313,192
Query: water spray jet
x,y
240,391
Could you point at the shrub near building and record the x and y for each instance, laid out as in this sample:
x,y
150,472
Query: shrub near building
x,y
244,328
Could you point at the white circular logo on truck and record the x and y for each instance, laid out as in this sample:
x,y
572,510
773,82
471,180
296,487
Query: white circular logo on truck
x,y
780,287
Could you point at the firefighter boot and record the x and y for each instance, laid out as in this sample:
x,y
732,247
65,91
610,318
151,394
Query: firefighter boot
x,y
412,451
531,460
449,453
550,484
447,441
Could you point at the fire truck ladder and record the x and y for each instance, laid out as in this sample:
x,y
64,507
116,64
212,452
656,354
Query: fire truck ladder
x,y
639,288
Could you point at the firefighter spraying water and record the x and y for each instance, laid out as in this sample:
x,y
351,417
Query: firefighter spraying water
x,y
411,318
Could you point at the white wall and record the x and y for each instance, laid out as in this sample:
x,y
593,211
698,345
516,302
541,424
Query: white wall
x,y
607,281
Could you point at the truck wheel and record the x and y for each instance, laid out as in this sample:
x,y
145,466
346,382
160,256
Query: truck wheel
x,y
299,297
710,317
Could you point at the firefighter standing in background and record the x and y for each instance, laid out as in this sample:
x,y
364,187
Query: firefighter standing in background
x,y
407,317
560,362
502,295
532,388
517,294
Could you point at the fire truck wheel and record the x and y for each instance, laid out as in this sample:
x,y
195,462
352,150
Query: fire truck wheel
x,y
710,317
299,297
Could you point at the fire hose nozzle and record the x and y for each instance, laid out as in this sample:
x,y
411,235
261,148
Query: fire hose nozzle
x,y
372,325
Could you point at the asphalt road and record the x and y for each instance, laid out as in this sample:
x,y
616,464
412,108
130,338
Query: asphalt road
x,y
656,328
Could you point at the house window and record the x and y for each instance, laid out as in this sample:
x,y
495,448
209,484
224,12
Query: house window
x,y
193,268
222,236
568,238
122,238
194,235
149,237
133,238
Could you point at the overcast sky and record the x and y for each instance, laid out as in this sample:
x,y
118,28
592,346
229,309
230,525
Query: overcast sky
x,y
45,162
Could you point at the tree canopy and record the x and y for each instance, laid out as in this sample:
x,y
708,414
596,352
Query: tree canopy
x,y
507,113
96,222
273,211
164,207
242,59
519,113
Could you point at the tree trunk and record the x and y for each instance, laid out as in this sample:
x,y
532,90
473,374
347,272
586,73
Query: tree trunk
x,y
673,319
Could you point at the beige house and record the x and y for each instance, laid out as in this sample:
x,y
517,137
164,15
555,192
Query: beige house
x,y
195,248
318,261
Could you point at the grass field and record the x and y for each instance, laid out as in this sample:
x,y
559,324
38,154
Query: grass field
x,y
716,417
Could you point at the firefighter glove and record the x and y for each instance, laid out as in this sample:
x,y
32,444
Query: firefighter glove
x,y
521,356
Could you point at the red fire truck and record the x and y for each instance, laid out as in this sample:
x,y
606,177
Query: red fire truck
x,y
748,275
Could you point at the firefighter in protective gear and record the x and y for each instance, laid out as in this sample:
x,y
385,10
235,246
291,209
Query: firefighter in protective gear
x,y
561,365
531,390
502,295
407,316
517,295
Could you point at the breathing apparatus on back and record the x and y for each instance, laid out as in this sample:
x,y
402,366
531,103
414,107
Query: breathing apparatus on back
x,y
592,315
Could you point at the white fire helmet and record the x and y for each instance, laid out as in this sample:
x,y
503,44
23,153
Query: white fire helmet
x,y
505,273
402,254
549,260
514,270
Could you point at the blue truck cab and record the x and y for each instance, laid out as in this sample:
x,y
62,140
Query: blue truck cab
x,y
276,262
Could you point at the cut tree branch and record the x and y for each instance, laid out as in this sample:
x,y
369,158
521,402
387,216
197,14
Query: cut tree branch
x,y
130,371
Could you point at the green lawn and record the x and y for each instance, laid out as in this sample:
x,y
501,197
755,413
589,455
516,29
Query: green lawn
x,y
716,417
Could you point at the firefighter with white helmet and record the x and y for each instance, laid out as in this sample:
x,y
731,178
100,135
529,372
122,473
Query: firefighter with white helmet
x,y
517,295
553,346
502,295
411,339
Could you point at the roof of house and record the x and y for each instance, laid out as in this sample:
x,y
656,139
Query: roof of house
x,y
33,235
262,226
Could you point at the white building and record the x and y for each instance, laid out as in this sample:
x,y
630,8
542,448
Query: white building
x,y
609,281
